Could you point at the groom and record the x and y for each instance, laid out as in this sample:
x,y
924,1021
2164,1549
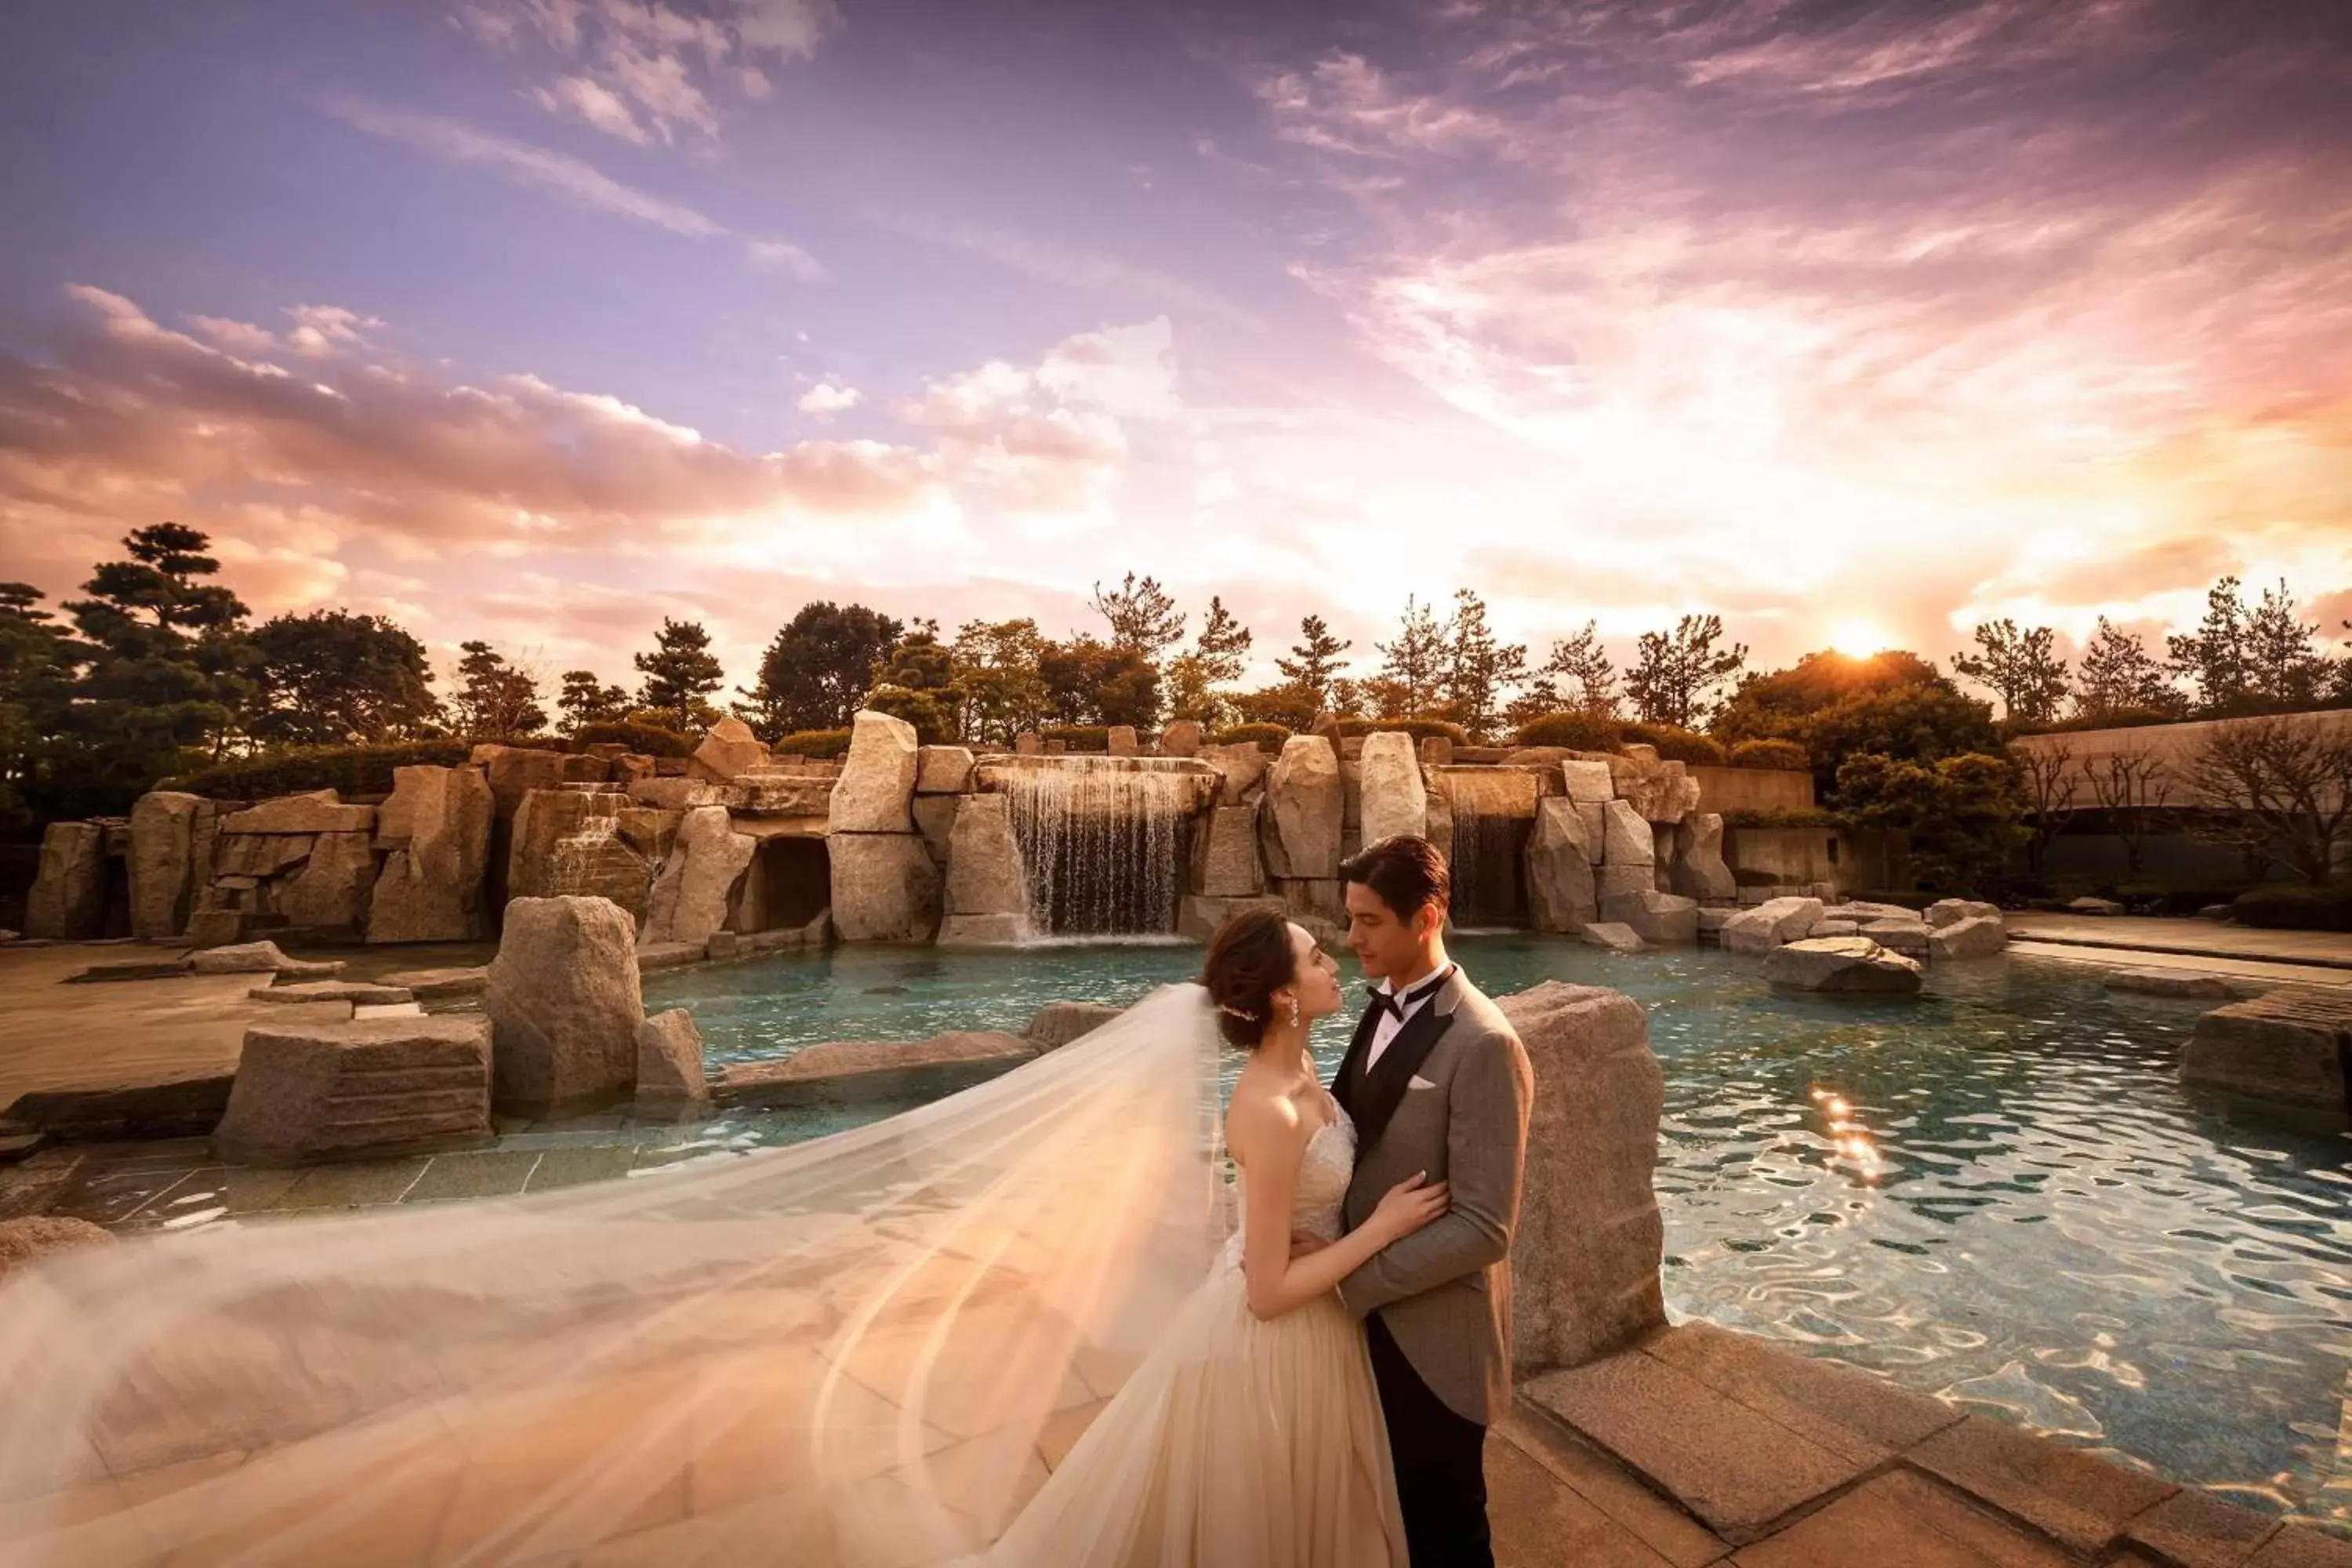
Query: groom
x,y
1437,1083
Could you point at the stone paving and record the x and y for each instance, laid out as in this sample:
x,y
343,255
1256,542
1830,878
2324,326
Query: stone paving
x,y
2194,938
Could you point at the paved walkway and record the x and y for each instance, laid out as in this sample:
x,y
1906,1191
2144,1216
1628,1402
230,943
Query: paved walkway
x,y
2197,938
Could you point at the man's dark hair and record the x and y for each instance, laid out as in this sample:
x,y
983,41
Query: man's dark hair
x,y
1406,870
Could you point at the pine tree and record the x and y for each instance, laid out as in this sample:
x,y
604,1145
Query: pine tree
x,y
1216,658
2284,666
1142,617
1480,668
816,671
38,665
2216,658
588,701
1315,659
1578,676
1678,672
680,675
2020,667
496,701
2116,674
1415,664
332,678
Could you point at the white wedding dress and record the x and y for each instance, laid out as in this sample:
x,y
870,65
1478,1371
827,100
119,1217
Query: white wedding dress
x,y
1240,1442
866,1352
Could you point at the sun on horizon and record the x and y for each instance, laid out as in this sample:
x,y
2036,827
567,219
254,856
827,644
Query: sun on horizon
x,y
1857,638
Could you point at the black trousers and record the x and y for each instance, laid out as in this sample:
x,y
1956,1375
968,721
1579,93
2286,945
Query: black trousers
x,y
1441,1463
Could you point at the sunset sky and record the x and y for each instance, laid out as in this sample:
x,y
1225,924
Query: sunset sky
x,y
539,319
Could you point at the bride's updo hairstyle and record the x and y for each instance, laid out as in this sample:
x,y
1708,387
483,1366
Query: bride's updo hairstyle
x,y
1249,960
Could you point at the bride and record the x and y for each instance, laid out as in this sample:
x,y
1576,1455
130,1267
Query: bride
x,y
1014,1325
1251,1437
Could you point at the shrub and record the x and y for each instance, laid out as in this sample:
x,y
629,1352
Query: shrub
x,y
1265,737
647,740
1079,737
1814,818
824,743
1676,744
2296,908
1419,729
1785,756
1577,731
350,769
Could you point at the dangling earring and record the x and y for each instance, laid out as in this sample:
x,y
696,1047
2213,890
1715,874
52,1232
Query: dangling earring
x,y
1294,1012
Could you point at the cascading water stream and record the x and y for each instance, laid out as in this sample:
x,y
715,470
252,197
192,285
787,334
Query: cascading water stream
x,y
1494,814
1103,843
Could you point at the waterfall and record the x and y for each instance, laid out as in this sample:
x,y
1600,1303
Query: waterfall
x,y
593,860
1104,842
1494,815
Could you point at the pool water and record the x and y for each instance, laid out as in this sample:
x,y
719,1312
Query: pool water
x,y
1996,1193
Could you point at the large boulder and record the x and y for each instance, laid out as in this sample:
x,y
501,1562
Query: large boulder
x,y
331,890
24,1242
67,902
261,958
1181,738
1626,838
1771,924
1908,937
885,887
877,787
942,769
1698,870
1611,934
985,876
2186,983
433,886
1306,806
1590,1243
1661,919
372,1087
695,891
728,749
1588,779
1198,917
168,829
1241,769
670,1061
1979,936
1225,863
318,811
1561,850
1394,798
1849,965
2286,1047
564,1004
1952,912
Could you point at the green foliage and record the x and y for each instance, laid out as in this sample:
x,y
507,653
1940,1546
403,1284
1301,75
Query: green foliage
x,y
2117,675
1675,744
1579,731
1775,705
647,740
818,669
1419,729
1088,682
1747,818
1678,673
1291,708
932,713
351,770
334,679
37,663
1780,755
997,683
1216,658
1577,678
1413,667
1962,814
680,674
826,743
1265,737
160,676
1480,668
2294,907
919,684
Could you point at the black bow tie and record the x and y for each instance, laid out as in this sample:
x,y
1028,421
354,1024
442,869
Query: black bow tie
x,y
1395,1006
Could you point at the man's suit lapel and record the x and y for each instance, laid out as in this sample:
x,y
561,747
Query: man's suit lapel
x,y
1383,1087
1349,1079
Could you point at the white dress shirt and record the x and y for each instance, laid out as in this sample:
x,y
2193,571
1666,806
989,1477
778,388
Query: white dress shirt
x,y
1391,1024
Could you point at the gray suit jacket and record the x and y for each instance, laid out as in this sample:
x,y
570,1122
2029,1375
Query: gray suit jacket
x,y
1445,1292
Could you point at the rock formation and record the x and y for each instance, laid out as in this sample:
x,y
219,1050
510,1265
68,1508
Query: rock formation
x,y
435,829
1305,807
564,1004
1394,798
370,1087
1852,965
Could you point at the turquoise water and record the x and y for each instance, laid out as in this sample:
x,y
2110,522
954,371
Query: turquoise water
x,y
1995,1192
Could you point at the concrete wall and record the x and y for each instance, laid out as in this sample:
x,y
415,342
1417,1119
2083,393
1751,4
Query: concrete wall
x,y
2172,745
1797,855
1753,789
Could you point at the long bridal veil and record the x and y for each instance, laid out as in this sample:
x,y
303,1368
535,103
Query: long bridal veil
x,y
860,1352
